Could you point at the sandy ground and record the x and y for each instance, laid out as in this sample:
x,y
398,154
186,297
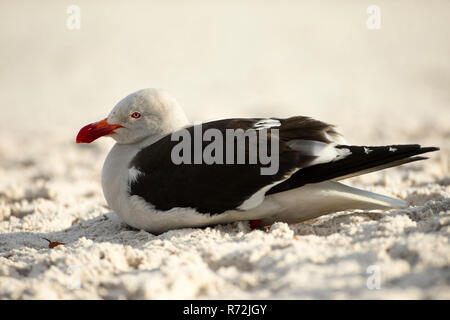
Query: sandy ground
x,y
232,59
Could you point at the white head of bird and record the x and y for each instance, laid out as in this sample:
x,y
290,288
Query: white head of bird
x,y
140,115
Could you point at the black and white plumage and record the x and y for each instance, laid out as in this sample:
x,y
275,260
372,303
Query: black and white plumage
x,y
143,185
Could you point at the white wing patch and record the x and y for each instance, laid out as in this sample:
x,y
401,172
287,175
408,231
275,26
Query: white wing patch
x,y
367,150
324,152
257,198
342,153
133,174
391,149
266,124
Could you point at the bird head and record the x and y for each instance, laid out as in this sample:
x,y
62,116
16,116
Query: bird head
x,y
142,114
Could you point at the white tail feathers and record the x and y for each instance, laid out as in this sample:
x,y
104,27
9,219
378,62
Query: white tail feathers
x,y
314,200
369,200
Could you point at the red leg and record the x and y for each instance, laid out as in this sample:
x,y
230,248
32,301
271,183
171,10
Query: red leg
x,y
254,224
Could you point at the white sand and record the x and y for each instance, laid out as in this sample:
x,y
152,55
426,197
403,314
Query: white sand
x,y
380,87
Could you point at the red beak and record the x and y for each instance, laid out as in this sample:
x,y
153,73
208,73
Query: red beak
x,y
96,130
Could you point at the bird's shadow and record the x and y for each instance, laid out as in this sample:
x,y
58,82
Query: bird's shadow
x,y
103,228
108,227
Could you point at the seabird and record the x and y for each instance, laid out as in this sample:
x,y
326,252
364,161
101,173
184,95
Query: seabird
x,y
150,190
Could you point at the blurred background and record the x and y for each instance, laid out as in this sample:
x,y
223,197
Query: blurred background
x,y
230,59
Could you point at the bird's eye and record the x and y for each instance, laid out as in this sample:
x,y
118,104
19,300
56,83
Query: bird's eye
x,y
136,115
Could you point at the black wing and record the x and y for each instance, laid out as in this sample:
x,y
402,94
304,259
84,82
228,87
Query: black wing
x,y
360,160
215,188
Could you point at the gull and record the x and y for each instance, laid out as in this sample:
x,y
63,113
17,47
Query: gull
x,y
156,181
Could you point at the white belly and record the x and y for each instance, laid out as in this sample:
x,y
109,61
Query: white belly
x,y
134,210
115,180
